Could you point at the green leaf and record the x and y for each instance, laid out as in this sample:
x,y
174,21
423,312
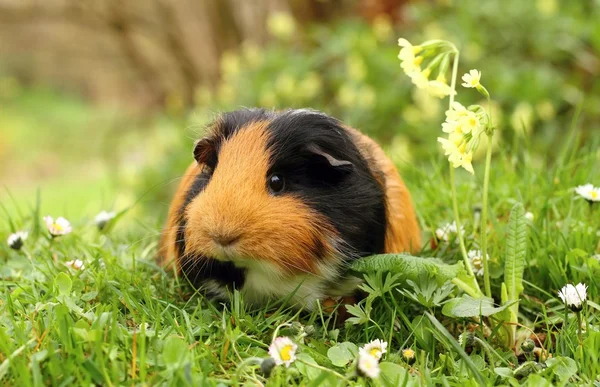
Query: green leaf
x,y
454,344
63,284
564,367
514,266
307,370
396,375
175,351
110,225
94,372
505,372
516,249
409,267
342,354
467,306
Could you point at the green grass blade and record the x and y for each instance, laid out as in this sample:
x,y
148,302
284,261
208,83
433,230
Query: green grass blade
x,y
454,344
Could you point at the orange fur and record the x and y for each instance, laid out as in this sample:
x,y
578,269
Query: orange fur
x,y
278,229
403,233
239,187
167,253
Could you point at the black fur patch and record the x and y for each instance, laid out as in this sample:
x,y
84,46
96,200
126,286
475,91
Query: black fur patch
x,y
198,269
347,194
351,199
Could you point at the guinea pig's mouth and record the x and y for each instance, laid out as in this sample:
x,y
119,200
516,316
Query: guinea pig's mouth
x,y
224,253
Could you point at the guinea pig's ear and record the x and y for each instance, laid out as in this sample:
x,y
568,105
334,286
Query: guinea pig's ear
x,y
339,165
204,150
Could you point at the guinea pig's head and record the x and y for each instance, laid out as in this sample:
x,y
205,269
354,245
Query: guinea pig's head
x,y
288,189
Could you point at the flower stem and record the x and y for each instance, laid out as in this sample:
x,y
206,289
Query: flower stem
x,y
579,333
454,75
484,213
486,185
336,374
463,250
453,180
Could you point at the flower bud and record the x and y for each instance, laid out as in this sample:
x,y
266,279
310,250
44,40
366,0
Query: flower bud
x,y
528,346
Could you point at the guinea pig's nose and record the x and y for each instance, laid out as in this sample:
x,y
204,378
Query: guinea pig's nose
x,y
225,239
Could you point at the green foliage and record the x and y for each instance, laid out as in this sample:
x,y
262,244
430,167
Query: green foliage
x,y
342,354
514,266
408,267
123,320
516,251
467,306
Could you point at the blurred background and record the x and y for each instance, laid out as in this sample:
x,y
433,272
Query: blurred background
x,y
101,100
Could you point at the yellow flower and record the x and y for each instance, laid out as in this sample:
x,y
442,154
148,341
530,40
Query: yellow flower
x,y
281,25
230,64
439,89
408,50
382,28
457,153
286,85
357,69
522,118
450,127
408,354
419,78
410,62
310,86
366,97
470,123
347,96
456,112
471,79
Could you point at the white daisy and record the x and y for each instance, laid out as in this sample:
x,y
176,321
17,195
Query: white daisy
x,y
368,364
58,227
477,261
448,230
15,241
376,348
76,264
573,296
283,351
588,192
472,79
103,218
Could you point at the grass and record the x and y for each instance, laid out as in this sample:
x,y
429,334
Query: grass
x,y
125,321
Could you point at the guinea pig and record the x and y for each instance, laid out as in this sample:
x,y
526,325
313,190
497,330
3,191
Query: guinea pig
x,y
277,204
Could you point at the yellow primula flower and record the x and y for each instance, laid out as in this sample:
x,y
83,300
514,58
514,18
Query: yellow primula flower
x,y
472,79
420,78
439,89
281,25
456,112
408,50
457,153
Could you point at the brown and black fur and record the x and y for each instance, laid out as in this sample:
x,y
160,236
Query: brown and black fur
x,y
343,199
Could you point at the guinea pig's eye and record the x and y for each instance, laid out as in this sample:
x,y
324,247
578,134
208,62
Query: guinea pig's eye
x,y
276,183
